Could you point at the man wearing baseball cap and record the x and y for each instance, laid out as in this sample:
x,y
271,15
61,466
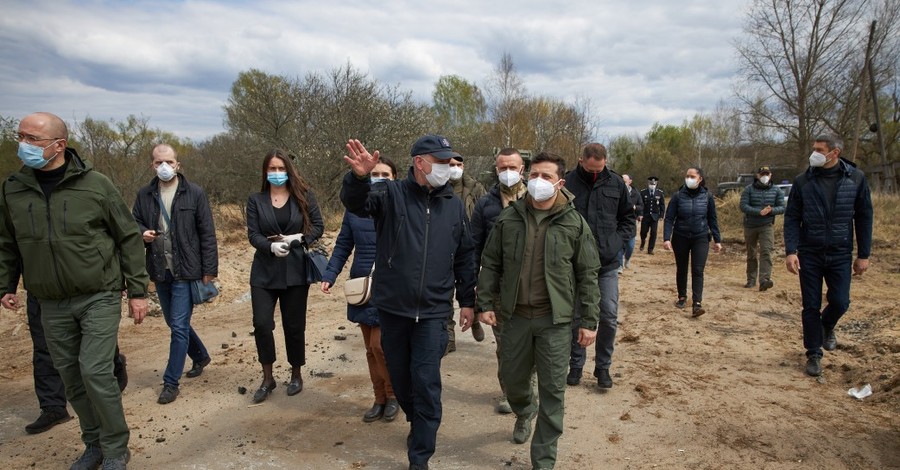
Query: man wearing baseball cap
x,y
421,231
760,203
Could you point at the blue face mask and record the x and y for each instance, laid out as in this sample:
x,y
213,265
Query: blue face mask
x,y
33,156
278,178
378,180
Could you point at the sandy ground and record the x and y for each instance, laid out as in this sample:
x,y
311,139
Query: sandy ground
x,y
726,390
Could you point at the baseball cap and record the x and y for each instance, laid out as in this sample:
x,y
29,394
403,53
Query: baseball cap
x,y
457,157
435,145
764,169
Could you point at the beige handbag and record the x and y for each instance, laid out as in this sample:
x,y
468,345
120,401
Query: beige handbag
x,y
359,289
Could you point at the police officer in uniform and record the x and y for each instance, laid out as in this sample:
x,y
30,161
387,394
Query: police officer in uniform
x,y
654,208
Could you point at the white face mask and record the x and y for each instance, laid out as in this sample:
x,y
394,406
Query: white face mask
x,y
509,178
541,189
691,183
440,173
652,187
456,173
764,179
817,159
165,172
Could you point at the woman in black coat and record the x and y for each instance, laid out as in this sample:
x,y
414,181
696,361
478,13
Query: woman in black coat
x,y
690,223
280,218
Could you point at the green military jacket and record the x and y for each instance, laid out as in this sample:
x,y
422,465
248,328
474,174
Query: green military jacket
x,y
571,264
82,241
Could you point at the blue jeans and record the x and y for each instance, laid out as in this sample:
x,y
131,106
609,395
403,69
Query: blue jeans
x,y
606,329
626,251
413,350
836,271
175,301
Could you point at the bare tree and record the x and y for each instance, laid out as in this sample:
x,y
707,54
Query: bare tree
x,y
506,96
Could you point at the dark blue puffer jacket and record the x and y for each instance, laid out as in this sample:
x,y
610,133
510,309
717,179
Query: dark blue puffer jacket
x,y
357,235
692,214
811,224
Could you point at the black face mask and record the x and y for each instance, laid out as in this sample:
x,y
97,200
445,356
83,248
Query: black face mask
x,y
588,176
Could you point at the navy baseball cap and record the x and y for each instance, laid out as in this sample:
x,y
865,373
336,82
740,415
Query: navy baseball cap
x,y
436,145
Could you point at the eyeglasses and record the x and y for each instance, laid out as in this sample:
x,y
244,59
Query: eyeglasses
x,y
31,139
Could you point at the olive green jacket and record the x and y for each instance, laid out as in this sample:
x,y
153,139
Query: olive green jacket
x,y
571,264
82,241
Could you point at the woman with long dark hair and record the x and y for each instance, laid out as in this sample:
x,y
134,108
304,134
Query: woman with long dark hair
x,y
689,225
281,218
357,235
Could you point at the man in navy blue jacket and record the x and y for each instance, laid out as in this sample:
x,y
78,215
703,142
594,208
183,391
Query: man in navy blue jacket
x,y
423,251
828,203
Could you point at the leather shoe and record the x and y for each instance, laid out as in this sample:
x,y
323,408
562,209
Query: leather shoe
x,y
374,414
603,379
766,285
391,410
830,343
750,285
814,366
263,392
477,331
197,369
168,395
295,386
418,466
680,302
574,377
90,459
49,417
697,310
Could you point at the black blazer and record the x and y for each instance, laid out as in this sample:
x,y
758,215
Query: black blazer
x,y
269,271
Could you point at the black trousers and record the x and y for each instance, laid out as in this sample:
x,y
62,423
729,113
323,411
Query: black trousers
x,y
292,302
648,224
695,251
48,385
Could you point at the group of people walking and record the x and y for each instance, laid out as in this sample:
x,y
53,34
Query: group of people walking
x,y
544,247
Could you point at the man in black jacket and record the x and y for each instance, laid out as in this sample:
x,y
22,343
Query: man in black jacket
x,y
601,197
180,238
654,209
829,202
634,198
423,251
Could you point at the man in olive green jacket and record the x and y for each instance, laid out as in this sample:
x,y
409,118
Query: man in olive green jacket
x,y
539,259
79,247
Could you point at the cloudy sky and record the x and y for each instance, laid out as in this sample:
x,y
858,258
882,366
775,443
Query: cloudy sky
x,y
638,61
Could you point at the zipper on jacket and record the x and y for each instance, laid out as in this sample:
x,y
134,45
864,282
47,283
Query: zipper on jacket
x,y
50,243
31,217
424,254
65,216
396,238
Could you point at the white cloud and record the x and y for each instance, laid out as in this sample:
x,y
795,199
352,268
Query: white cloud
x,y
638,62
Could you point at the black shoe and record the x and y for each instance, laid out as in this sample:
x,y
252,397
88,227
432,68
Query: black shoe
x,y
697,310
391,410
830,343
649,252
680,302
418,466
766,285
263,392
477,331
603,379
374,414
197,369
814,366
168,395
90,459
574,377
118,463
120,372
295,386
750,285
49,417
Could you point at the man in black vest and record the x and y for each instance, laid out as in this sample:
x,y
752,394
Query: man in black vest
x,y
654,208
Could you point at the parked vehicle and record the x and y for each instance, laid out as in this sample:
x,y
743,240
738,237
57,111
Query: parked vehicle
x,y
726,187
786,188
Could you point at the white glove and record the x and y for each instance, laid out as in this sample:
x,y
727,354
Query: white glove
x,y
280,249
290,238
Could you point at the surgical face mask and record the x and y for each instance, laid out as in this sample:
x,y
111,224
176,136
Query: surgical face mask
x,y
817,159
32,156
764,179
509,178
165,172
456,173
440,173
652,186
277,178
691,183
541,189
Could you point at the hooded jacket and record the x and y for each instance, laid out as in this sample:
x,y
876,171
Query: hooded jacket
x,y
811,224
571,264
80,241
423,245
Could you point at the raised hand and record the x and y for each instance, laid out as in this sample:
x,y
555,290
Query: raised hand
x,y
360,160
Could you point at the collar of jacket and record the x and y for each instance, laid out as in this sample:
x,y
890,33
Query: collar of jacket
x,y
847,167
588,177
443,191
182,183
76,167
